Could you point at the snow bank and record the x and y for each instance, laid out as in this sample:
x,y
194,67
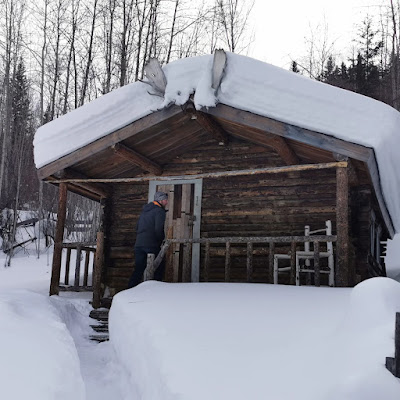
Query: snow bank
x,y
392,259
256,341
38,356
249,85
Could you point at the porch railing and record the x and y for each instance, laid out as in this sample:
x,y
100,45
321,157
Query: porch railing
x,y
153,261
82,280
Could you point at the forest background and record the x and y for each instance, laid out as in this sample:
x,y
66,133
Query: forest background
x,y
56,55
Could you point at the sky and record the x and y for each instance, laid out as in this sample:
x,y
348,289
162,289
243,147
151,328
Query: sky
x,y
280,27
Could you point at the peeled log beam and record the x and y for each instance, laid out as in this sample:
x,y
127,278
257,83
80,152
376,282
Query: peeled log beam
x,y
98,189
137,159
269,170
278,143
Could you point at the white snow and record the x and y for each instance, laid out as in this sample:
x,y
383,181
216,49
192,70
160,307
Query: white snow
x,y
257,341
249,85
197,341
38,356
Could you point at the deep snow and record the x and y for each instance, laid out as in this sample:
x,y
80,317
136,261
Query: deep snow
x,y
197,341
257,341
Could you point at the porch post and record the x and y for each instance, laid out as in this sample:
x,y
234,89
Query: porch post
x,y
98,264
58,239
342,226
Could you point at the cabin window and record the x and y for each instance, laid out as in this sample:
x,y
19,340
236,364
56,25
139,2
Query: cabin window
x,y
376,234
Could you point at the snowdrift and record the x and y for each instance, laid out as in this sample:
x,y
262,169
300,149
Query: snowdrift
x,y
38,356
257,341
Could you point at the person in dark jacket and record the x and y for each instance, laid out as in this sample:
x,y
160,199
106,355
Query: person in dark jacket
x,y
149,236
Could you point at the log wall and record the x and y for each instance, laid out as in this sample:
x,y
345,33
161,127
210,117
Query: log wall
x,y
261,205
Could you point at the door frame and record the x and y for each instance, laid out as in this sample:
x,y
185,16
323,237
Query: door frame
x,y
198,193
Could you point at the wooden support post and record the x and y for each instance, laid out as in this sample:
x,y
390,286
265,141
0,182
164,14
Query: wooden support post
x,y
271,262
149,271
228,262
78,265
58,239
317,273
342,226
207,262
86,271
393,364
249,262
67,263
293,263
186,271
97,269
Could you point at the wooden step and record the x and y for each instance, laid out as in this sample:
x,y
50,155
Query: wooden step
x,y
100,338
101,328
100,315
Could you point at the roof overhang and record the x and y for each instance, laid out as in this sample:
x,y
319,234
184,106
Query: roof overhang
x,y
242,118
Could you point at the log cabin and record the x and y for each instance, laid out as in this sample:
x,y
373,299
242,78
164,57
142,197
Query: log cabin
x,y
272,177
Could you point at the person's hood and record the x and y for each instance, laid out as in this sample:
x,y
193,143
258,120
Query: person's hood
x,y
150,206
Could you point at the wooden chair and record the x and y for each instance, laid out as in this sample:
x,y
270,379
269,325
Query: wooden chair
x,y
308,255
305,257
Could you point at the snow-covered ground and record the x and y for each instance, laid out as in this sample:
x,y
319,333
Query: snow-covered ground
x,y
198,341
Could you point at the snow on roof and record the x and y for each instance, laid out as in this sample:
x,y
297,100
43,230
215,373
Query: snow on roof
x,y
256,341
249,85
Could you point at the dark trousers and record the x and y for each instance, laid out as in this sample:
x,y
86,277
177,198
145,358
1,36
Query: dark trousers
x,y
141,263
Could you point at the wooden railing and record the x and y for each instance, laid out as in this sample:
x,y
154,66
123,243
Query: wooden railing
x,y
81,283
154,261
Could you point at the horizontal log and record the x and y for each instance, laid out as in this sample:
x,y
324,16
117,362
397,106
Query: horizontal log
x,y
270,211
121,252
265,239
271,170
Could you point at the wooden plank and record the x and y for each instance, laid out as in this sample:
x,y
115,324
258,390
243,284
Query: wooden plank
x,y
271,262
393,363
78,266
149,271
257,171
397,346
86,270
228,262
293,263
186,270
58,239
342,227
218,68
249,262
67,264
156,76
103,143
137,159
207,262
317,269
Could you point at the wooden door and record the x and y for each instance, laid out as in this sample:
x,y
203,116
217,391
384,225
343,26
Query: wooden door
x,y
182,222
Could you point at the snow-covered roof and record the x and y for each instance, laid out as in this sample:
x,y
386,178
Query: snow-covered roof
x,y
248,85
